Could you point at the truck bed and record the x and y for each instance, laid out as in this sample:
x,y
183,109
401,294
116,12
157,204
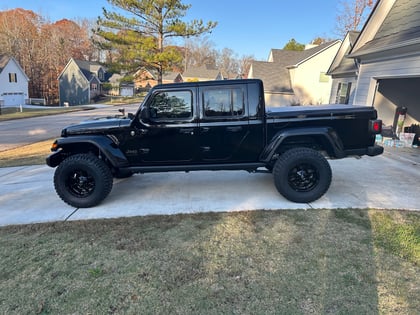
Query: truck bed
x,y
319,111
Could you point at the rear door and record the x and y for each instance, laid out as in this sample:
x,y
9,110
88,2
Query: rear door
x,y
224,128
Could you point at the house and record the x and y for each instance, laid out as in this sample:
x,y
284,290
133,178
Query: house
x,y
148,78
114,81
119,87
145,79
80,82
387,52
296,77
201,73
13,83
127,89
344,72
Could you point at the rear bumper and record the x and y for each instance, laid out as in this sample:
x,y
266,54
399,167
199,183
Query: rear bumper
x,y
370,151
375,150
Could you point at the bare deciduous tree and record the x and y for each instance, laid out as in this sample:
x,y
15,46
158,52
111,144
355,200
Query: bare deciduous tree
x,y
245,64
199,51
227,62
351,15
42,48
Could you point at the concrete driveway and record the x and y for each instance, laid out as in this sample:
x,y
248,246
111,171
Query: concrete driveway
x,y
389,181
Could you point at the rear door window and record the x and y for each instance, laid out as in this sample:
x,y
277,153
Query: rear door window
x,y
227,102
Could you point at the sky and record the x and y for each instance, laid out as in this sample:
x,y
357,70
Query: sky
x,y
248,27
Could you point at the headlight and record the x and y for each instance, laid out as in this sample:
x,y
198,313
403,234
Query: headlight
x,y
54,146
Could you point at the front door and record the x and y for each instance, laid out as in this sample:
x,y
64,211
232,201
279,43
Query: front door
x,y
170,134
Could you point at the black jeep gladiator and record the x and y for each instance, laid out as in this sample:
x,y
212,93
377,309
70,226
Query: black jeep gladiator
x,y
217,125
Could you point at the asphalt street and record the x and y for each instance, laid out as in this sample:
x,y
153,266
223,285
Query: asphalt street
x,y
18,132
389,181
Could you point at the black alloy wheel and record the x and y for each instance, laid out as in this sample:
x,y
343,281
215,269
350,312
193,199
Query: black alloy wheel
x,y
83,180
302,175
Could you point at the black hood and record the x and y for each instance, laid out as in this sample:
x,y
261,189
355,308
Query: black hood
x,y
100,126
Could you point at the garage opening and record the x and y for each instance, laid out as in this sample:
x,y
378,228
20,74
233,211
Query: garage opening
x,y
399,96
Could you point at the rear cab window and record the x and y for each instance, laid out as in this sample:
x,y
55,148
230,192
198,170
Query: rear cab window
x,y
226,102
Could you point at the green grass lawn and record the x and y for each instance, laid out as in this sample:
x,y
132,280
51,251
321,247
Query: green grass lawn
x,y
256,262
31,154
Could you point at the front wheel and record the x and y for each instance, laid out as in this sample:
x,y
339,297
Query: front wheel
x,y
83,180
302,175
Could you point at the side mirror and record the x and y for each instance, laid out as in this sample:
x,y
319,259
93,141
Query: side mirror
x,y
144,114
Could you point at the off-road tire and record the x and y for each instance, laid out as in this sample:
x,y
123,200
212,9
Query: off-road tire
x,y
302,175
83,180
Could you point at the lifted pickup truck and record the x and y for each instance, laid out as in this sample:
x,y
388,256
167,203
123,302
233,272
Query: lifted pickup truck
x,y
217,125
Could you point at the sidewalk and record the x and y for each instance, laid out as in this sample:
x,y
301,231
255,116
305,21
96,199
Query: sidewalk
x,y
385,182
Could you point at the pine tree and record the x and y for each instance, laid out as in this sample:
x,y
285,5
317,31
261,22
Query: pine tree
x,y
139,37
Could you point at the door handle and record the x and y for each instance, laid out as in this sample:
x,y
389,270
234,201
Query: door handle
x,y
205,129
187,131
234,129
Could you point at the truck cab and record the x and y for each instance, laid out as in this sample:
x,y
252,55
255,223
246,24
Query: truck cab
x,y
198,124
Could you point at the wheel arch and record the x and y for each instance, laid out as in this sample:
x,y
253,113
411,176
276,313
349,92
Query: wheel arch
x,y
317,138
101,146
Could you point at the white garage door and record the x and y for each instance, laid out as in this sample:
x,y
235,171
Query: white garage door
x,y
13,99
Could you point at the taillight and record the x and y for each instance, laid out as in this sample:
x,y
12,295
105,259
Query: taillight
x,y
375,126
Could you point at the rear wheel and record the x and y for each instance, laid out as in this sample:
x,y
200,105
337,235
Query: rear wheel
x,y
83,180
302,175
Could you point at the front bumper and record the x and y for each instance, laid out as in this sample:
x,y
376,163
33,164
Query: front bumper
x,y
54,159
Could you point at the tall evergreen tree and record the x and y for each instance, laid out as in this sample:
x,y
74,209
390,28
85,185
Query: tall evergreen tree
x,y
139,36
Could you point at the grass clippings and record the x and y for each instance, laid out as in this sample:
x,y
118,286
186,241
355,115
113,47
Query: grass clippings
x,y
256,262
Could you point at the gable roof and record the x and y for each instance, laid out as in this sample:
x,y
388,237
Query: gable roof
x,y
88,68
170,76
341,64
293,58
149,74
275,72
392,25
4,60
275,76
204,72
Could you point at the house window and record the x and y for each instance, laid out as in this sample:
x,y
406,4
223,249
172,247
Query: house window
x,y
223,102
94,87
13,77
171,105
343,93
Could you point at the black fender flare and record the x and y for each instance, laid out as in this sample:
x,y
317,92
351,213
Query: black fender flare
x,y
106,146
329,135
